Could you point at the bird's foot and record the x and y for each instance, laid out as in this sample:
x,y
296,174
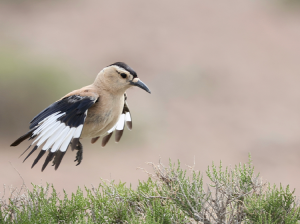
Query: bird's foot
x,y
79,153
79,156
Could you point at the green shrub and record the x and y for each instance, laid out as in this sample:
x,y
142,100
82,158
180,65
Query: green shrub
x,y
274,206
170,195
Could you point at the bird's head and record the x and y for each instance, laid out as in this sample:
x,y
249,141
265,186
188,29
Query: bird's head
x,y
119,77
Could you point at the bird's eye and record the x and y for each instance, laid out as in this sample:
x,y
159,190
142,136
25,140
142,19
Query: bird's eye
x,y
123,75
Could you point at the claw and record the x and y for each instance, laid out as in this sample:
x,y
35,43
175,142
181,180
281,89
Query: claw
x,y
78,154
78,157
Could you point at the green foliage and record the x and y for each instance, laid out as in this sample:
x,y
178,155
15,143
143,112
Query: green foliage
x,y
185,191
275,206
170,195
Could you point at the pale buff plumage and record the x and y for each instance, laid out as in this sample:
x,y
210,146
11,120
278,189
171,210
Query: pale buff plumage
x,y
106,97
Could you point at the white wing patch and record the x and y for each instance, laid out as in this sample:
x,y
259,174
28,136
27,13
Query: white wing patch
x,y
118,128
127,116
121,122
112,129
54,128
78,131
54,134
128,120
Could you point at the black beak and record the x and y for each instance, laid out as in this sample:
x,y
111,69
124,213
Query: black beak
x,y
139,83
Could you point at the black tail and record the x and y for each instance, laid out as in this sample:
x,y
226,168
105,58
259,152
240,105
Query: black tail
x,y
22,138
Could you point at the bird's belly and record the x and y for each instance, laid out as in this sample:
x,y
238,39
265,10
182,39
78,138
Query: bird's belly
x,y
97,124
98,127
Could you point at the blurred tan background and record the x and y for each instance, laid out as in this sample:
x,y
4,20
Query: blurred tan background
x,y
224,76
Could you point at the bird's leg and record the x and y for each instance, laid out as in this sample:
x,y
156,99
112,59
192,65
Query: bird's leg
x,y
79,153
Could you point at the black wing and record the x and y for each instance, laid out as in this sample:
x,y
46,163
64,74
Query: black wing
x,y
125,117
56,126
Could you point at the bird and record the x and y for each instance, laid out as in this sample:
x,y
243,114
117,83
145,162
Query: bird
x,y
94,111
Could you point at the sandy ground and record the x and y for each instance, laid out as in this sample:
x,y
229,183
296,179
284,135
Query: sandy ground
x,y
224,80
